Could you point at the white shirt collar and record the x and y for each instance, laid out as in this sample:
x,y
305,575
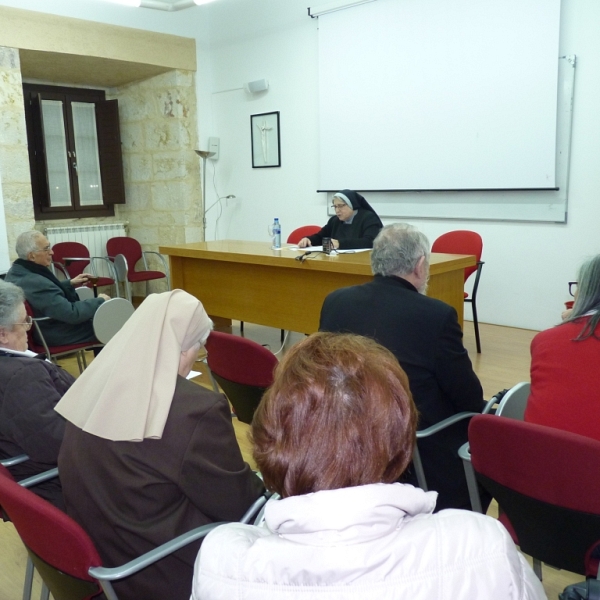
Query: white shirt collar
x,y
27,353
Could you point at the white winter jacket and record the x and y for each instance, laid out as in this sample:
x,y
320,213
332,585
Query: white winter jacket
x,y
371,542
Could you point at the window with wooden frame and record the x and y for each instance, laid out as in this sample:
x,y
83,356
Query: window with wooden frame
x,y
74,152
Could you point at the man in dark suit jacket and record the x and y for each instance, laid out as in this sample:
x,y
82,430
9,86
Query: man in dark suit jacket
x,y
424,335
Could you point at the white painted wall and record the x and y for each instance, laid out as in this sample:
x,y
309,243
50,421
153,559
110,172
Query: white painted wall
x,y
527,265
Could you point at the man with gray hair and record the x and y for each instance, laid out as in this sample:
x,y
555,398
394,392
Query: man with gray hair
x,y
70,319
425,336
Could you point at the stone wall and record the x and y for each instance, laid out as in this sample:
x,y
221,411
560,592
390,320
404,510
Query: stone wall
x,y
14,159
162,171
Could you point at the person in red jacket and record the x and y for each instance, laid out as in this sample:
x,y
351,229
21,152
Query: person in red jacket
x,y
564,360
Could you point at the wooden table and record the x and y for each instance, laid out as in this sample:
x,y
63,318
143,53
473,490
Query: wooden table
x,y
249,281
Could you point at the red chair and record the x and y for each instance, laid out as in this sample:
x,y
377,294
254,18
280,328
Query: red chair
x,y
302,232
75,250
243,369
63,553
132,252
53,352
546,483
465,242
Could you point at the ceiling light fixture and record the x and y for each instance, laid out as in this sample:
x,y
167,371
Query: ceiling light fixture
x,y
135,3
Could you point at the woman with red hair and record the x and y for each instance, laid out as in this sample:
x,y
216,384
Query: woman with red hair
x,y
332,436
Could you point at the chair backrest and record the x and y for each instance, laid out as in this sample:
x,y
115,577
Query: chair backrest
x,y
64,250
243,368
460,241
47,531
110,317
514,402
34,346
302,232
129,247
545,481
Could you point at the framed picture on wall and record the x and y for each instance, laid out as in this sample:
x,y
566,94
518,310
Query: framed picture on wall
x,y
266,144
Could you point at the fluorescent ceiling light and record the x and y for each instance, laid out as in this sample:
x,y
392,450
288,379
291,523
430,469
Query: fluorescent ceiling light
x,y
127,2
168,5
332,6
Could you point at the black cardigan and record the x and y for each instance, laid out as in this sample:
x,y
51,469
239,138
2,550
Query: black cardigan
x,y
359,234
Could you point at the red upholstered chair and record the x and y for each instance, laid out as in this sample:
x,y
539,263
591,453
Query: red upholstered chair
x,y
243,369
465,242
131,250
63,553
546,483
29,482
302,232
66,250
54,352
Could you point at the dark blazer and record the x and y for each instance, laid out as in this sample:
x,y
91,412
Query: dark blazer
x,y
424,335
133,496
70,322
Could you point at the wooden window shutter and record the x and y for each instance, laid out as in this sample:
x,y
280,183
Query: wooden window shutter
x,y
109,148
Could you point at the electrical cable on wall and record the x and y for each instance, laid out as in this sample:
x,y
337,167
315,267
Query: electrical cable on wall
x,y
217,201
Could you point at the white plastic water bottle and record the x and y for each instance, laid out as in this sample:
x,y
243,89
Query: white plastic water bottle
x,y
276,234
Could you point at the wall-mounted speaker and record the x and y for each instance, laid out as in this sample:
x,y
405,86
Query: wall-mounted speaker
x,y
260,85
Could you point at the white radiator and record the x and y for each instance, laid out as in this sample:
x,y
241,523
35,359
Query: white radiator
x,y
94,237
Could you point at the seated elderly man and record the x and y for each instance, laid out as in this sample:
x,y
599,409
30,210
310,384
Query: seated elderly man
x,y
30,387
425,336
70,318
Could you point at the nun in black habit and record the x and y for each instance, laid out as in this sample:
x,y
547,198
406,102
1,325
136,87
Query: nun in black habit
x,y
355,224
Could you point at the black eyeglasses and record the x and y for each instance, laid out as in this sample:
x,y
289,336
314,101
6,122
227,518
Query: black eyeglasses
x,y
572,288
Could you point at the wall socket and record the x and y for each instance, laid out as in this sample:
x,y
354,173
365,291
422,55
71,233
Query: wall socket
x,y
214,145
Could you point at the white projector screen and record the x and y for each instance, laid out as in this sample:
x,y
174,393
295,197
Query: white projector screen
x,y
439,95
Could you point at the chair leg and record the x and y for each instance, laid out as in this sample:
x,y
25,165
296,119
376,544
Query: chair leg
x,y
282,336
45,593
28,580
242,328
476,325
537,568
78,356
127,289
83,359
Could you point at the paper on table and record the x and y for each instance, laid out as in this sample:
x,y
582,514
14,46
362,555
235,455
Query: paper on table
x,y
193,374
320,249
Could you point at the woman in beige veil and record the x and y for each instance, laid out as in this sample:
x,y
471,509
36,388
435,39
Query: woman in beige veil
x,y
147,454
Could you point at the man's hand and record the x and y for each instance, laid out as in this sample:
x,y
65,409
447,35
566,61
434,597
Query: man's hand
x,y
304,243
80,279
104,297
